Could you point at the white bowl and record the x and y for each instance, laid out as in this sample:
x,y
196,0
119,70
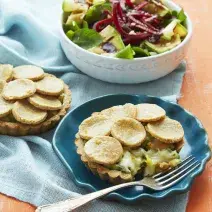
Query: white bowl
x,y
125,71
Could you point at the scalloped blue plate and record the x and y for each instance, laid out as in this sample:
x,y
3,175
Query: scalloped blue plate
x,y
63,144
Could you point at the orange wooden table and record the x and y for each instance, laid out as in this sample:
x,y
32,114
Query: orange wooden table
x,y
196,97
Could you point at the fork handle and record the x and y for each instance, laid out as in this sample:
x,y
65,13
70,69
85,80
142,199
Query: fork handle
x,y
74,203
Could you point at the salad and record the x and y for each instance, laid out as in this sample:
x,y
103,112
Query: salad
x,y
124,29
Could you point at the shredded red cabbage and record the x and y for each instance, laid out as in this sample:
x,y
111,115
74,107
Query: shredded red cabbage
x,y
107,12
141,6
100,25
133,24
129,3
120,12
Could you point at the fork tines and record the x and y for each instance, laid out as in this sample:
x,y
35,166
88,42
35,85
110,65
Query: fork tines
x,y
172,176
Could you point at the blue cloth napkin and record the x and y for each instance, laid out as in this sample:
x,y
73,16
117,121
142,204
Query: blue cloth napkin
x,y
29,169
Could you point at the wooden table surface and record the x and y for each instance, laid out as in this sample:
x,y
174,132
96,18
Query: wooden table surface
x,y
196,97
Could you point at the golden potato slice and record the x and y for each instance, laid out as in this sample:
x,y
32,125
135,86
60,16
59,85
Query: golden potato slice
x,y
6,72
28,72
28,114
129,132
166,130
149,112
95,126
45,102
5,107
18,89
120,111
50,86
103,150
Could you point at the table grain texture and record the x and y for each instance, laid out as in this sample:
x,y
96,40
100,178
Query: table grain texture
x,y
196,97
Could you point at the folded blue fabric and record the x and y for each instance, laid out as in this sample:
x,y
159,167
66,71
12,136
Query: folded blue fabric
x,y
28,34
30,170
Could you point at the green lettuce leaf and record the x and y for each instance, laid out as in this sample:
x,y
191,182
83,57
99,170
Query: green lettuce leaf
x,y
94,13
87,38
181,16
73,25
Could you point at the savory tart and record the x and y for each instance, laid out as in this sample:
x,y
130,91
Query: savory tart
x,y
31,101
120,147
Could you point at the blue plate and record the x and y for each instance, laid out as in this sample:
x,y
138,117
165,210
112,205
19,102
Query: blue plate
x,y
63,144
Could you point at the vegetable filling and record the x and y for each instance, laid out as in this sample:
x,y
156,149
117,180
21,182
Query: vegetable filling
x,y
148,159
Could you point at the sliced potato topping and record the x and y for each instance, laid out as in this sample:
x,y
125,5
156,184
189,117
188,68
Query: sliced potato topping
x,y
6,72
28,72
18,89
5,107
103,150
149,112
129,132
49,85
95,126
166,130
27,114
120,111
45,102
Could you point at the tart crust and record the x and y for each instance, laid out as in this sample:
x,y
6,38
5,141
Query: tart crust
x,y
114,176
18,129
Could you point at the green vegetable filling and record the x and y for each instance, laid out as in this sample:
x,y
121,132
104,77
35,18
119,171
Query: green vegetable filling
x,y
129,163
150,161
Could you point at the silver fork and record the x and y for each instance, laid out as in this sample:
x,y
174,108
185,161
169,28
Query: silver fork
x,y
157,182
